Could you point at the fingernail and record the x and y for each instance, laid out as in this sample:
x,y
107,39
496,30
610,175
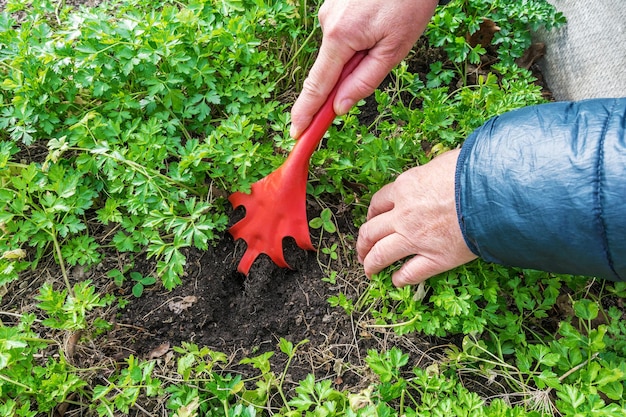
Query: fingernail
x,y
293,132
344,106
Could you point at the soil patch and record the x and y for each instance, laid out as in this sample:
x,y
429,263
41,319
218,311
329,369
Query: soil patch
x,y
220,308
241,316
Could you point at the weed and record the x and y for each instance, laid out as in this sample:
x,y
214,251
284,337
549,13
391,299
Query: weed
x,y
121,391
27,385
69,311
140,283
331,278
325,221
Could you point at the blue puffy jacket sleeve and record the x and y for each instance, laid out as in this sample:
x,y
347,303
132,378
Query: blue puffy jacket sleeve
x,y
544,187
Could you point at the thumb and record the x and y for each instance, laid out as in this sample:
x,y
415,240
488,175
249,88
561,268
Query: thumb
x,y
416,270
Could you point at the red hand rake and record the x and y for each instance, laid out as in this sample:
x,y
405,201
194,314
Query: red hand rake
x,y
276,205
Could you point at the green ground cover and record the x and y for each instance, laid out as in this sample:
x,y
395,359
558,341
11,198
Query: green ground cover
x,y
137,117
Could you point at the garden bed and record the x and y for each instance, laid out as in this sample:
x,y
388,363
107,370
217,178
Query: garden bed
x,y
125,125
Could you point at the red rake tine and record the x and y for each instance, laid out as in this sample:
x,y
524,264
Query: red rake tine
x,y
276,205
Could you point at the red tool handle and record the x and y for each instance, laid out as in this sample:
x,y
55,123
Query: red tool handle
x,y
311,137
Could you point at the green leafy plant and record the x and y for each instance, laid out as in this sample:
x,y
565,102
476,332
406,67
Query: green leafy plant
x,y
343,302
27,385
121,392
318,398
331,252
324,221
142,110
137,117
501,311
140,283
331,278
453,25
430,391
68,310
387,365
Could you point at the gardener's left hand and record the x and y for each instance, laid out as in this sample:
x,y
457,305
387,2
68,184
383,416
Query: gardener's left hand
x,y
415,216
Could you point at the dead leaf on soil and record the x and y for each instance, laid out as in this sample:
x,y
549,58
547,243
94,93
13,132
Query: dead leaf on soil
x,y
365,334
159,351
531,55
484,35
420,292
360,400
71,342
168,357
338,367
61,409
15,254
179,306
189,410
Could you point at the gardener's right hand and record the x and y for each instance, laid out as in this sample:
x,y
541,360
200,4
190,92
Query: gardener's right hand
x,y
414,219
387,29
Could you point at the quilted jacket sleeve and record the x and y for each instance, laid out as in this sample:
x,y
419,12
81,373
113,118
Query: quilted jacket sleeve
x,y
544,187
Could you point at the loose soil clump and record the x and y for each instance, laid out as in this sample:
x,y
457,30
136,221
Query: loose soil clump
x,y
242,316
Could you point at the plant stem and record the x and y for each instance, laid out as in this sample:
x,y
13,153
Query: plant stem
x,y
19,384
394,325
16,315
16,165
284,373
37,339
145,171
225,405
577,367
293,58
57,249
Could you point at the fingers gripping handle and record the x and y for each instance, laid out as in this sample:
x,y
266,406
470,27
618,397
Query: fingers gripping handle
x,y
326,114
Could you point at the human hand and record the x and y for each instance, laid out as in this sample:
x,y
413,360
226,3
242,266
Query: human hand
x,y
415,215
386,29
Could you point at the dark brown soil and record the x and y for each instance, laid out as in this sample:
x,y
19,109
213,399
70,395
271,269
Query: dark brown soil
x,y
243,316
221,309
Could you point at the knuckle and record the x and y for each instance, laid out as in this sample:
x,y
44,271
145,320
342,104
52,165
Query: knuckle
x,y
405,181
365,87
376,259
323,12
311,85
371,209
363,236
401,279
334,32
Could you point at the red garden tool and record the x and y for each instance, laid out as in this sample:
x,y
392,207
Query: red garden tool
x,y
276,205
